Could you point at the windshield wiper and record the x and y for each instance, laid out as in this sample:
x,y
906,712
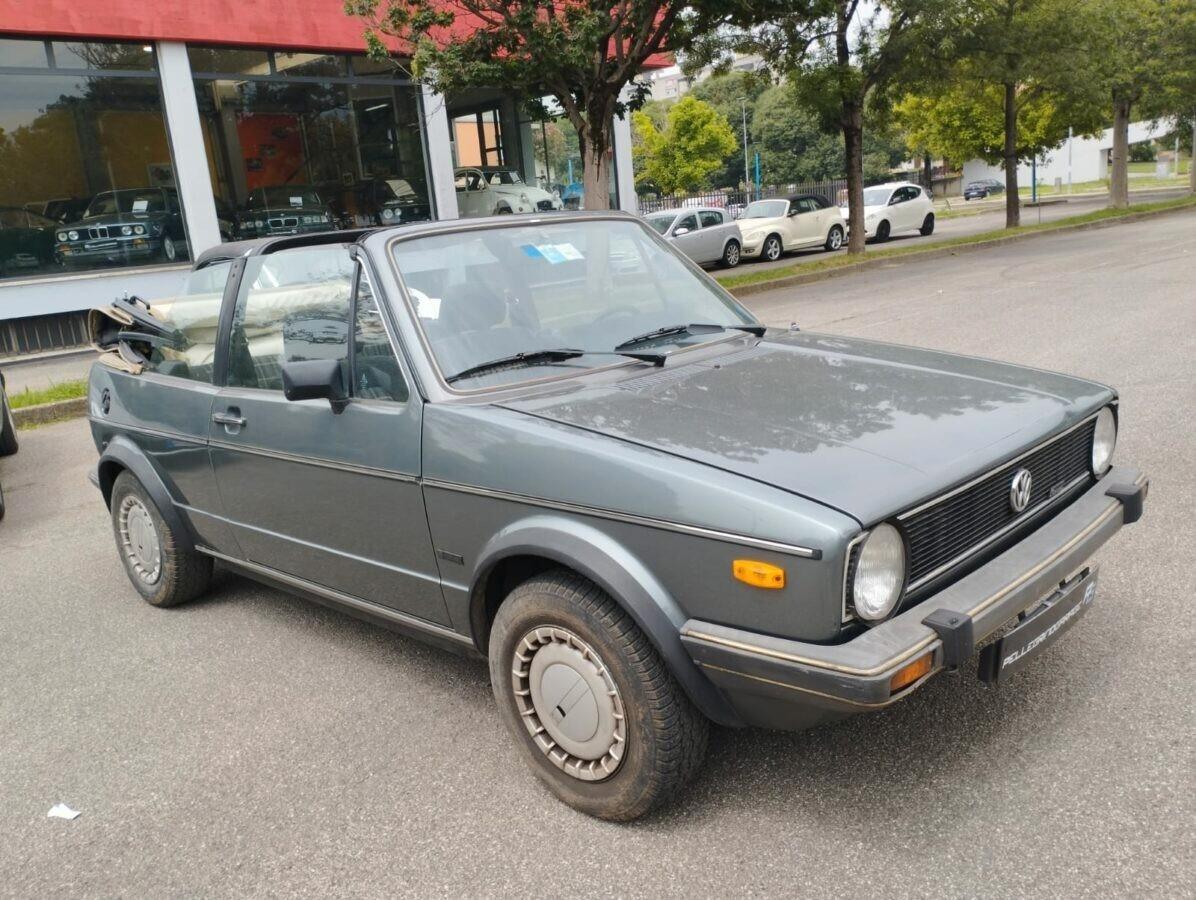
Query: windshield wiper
x,y
691,328
539,357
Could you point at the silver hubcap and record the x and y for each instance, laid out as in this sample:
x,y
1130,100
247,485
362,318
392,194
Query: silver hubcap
x,y
139,540
836,239
733,254
569,703
774,250
168,248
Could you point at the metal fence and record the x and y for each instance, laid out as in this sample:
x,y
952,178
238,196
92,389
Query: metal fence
x,y
736,200
39,334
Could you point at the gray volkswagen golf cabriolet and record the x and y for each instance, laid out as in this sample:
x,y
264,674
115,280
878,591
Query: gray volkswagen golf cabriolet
x,y
557,443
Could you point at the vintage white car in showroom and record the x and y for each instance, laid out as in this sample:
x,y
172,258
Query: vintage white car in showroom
x,y
495,190
772,227
898,206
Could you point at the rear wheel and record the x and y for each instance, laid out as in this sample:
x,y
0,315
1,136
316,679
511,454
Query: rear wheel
x,y
594,710
8,428
164,572
834,240
927,225
772,248
731,255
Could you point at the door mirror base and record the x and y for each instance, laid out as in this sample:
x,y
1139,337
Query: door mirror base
x,y
315,379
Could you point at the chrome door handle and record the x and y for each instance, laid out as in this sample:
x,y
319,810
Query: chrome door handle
x,y
228,419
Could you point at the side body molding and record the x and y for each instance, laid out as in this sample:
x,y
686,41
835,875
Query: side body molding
x,y
620,573
122,453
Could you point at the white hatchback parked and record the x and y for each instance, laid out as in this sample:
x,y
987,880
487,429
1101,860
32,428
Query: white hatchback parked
x,y
898,206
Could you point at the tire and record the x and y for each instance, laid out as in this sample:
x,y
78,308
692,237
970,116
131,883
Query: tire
x,y
927,228
834,240
8,428
1,502
641,738
772,250
503,210
882,231
731,255
170,250
163,572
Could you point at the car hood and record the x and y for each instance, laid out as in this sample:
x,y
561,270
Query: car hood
x,y
751,226
114,219
869,429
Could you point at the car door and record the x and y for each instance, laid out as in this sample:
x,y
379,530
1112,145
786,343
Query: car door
x,y
326,497
713,234
686,236
903,210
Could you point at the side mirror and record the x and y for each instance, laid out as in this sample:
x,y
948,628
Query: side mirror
x,y
793,212
677,232
894,201
315,379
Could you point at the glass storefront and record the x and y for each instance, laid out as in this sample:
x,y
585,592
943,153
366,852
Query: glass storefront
x,y
86,176
301,142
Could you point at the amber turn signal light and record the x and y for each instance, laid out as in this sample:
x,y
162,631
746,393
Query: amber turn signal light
x,y
910,673
758,574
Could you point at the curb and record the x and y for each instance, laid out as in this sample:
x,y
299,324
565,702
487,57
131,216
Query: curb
x,y
933,252
45,413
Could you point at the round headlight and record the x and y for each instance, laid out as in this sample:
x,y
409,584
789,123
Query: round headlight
x,y
126,229
388,213
74,235
139,229
62,235
257,223
1104,439
879,574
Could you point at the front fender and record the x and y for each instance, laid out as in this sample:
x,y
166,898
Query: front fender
x,y
619,572
121,453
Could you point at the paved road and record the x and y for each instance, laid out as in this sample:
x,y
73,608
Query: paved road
x,y
990,220
251,744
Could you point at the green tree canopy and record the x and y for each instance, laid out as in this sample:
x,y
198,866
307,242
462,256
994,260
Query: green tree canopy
x,y
692,146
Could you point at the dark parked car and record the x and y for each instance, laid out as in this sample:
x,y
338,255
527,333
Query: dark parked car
x,y
26,241
8,433
129,226
389,201
558,444
283,209
979,190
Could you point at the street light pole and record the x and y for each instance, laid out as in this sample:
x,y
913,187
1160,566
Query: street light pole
x,y
747,179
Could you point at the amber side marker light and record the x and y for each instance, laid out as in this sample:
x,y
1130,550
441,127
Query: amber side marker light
x,y
910,673
758,574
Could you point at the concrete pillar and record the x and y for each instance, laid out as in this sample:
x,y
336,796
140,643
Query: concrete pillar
x,y
624,168
191,175
438,142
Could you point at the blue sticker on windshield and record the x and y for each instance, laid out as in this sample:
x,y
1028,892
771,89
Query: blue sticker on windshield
x,y
529,250
551,253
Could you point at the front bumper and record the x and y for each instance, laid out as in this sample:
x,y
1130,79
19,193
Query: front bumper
x,y
779,683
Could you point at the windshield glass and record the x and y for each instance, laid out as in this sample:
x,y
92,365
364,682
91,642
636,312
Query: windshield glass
x,y
877,196
282,196
503,176
125,202
586,284
660,224
766,209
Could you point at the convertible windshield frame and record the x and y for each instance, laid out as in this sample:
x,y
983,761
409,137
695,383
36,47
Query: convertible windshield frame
x,y
460,226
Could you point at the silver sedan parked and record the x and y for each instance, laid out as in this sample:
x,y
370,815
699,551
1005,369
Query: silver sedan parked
x,y
706,235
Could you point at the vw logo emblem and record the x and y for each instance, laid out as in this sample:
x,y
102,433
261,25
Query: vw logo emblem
x,y
1019,490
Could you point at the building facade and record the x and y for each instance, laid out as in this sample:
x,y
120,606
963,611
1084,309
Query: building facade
x,y
133,140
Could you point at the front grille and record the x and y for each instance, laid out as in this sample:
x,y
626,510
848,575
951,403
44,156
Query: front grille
x,y
950,530
544,205
98,232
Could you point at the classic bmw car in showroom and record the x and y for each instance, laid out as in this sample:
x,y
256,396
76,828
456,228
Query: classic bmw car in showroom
x,y
771,228
283,209
556,443
126,226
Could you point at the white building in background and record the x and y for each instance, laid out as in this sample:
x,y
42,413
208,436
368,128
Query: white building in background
x,y
1077,160
672,84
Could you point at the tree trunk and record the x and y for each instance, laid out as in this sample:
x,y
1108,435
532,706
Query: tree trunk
x,y
1013,203
928,172
1119,184
1192,158
853,143
595,162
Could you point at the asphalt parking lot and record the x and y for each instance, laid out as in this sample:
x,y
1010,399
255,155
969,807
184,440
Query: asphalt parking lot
x,y
252,744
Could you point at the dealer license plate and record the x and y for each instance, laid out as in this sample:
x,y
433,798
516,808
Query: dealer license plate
x,y
1043,625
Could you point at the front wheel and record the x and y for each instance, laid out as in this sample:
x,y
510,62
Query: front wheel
x,y
927,225
834,240
772,248
594,710
882,231
164,572
731,255
170,250
8,428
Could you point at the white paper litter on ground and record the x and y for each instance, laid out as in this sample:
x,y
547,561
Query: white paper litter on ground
x,y
62,811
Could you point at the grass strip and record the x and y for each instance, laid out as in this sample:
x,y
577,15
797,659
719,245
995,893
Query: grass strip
x,y
66,390
839,261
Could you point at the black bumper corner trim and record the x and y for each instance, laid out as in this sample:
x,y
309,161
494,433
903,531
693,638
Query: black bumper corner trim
x,y
956,633
1132,497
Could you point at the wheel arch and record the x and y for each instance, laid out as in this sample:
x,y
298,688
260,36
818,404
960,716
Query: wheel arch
x,y
541,543
122,455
